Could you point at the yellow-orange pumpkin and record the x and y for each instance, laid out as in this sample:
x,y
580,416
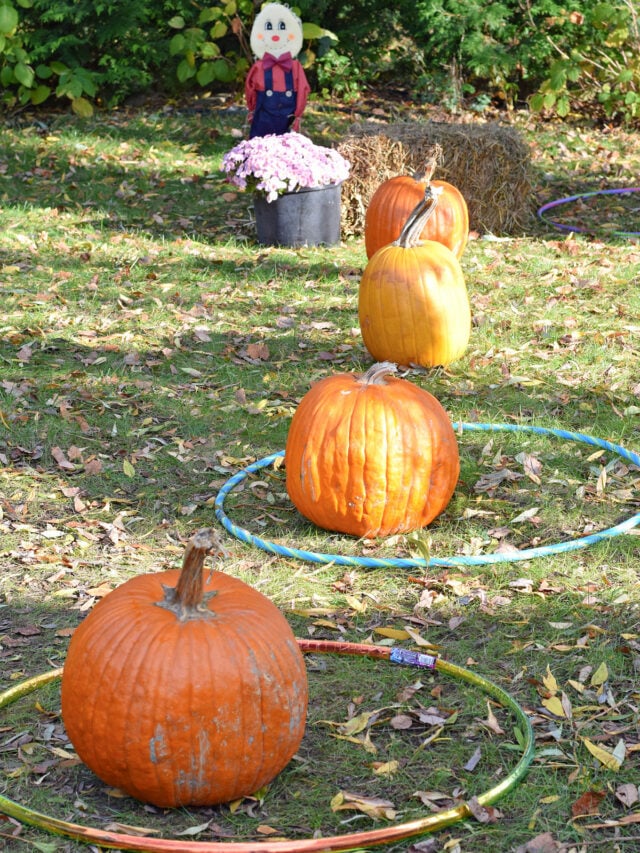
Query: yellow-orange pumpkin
x,y
413,304
370,455
394,200
185,690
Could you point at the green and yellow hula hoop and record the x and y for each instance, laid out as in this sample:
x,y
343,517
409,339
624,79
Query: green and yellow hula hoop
x,y
367,838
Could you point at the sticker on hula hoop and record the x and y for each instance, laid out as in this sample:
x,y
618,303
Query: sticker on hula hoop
x,y
576,228
249,538
365,838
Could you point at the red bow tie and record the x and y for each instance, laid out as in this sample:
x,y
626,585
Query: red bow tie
x,y
285,61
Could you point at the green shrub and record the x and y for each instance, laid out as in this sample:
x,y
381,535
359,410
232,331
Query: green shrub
x,y
83,49
109,49
578,54
603,67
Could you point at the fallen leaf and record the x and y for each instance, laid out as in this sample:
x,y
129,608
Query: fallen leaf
x,y
195,830
353,725
360,740
131,830
429,845
356,604
588,803
432,798
554,704
258,351
527,515
472,763
418,639
627,794
544,843
550,682
604,756
357,724
373,806
385,768
401,721
532,466
491,722
59,455
483,814
100,591
24,353
624,821
600,675
393,633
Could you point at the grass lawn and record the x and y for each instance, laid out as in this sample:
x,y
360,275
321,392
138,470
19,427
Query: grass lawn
x,y
150,349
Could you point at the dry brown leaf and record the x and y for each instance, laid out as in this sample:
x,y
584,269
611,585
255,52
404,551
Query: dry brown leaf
x,y
544,843
588,803
491,722
59,455
627,794
401,721
483,814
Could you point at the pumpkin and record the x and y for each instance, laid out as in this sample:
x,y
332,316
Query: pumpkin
x,y
394,200
370,455
185,690
413,304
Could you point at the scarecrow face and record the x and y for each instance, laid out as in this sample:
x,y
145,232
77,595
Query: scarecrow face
x,y
276,30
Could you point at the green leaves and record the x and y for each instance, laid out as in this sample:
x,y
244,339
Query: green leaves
x,y
8,19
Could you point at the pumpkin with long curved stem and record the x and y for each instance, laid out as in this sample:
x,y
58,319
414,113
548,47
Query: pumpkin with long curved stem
x,y
370,455
413,304
182,689
394,200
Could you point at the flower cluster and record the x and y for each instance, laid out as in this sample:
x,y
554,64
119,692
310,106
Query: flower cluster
x,y
276,164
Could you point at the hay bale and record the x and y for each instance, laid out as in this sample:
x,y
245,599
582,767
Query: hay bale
x,y
489,163
374,159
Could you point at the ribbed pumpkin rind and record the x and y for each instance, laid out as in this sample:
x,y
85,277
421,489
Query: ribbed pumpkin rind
x,y
192,713
413,306
394,200
370,460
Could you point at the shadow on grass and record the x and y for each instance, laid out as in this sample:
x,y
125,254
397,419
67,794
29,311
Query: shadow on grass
x,y
156,173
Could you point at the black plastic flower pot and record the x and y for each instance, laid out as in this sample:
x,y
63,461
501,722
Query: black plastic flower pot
x,y
307,217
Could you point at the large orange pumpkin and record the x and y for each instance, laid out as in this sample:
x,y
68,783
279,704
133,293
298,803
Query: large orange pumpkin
x,y
185,690
413,304
370,455
394,200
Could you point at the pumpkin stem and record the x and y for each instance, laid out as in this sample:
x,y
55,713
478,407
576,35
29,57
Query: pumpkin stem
x,y
188,599
377,372
410,235
435,156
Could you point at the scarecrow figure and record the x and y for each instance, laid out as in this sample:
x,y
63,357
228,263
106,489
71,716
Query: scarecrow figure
x,y
276,88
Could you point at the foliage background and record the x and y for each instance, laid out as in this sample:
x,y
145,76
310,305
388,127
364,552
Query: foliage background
x,y
557,56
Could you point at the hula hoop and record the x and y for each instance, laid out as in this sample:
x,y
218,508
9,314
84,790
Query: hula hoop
x,y
563,227
418,562
420,826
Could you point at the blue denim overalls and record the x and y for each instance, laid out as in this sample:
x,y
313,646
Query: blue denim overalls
x,y
274,112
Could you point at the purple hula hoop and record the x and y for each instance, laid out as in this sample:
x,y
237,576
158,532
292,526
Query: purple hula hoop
x,y
576,228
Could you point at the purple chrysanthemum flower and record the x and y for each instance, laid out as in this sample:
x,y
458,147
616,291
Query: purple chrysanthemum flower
x,y
276,164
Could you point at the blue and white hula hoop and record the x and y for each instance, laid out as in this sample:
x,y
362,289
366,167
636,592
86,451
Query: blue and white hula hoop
x,y
246,536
